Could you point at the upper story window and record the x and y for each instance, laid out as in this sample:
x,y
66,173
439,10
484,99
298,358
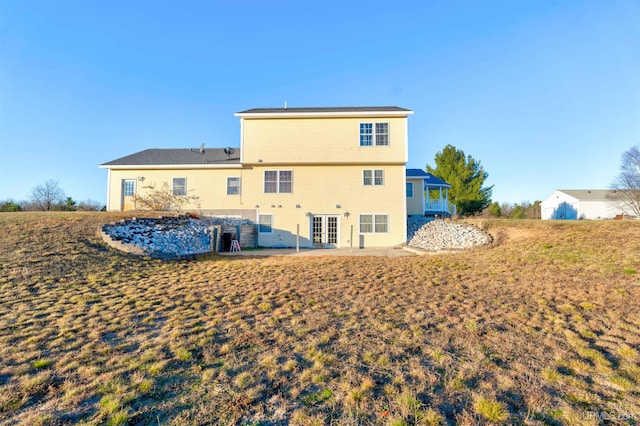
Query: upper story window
x,y
233,186
278,182
374,134
409,189
179,186
382,133
373,177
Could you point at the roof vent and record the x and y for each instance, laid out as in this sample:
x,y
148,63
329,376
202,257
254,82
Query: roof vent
x,y
229,151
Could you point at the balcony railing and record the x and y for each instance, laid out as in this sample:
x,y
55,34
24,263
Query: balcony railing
x,y
439,206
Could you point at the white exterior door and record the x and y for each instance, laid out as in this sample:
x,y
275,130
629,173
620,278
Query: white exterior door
x,y
324,230
128,194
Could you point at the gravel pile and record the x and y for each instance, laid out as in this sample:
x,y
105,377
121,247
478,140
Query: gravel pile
x,y
444,235
168,236
414,223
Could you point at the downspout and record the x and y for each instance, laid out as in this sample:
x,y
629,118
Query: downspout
x,y
406,201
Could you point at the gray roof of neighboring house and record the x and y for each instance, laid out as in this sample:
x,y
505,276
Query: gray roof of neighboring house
x,y
325,109
427,177
588,194
179,156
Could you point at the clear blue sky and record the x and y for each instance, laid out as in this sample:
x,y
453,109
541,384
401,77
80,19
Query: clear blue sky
x,y
546,94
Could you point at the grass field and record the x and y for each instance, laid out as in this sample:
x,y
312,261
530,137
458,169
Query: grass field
x,y
543,327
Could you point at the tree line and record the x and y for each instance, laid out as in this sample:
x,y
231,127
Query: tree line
x,y
49,196
466,176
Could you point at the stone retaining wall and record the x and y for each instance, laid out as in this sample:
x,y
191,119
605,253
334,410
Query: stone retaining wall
x,y
165,237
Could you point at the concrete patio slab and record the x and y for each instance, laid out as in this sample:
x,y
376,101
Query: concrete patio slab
x,y
396,251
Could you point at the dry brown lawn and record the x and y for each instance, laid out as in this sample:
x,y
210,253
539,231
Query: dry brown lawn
x,y
543,327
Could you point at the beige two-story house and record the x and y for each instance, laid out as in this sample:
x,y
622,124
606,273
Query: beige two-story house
x,y
330,177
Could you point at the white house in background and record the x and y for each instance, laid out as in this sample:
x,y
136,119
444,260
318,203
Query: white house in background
x,y
571,204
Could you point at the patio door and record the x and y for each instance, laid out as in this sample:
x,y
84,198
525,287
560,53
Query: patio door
x,y
128,194
324,230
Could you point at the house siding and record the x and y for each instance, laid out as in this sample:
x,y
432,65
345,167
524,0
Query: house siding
x,y
319,141
310,192
326,161
415,204
210,185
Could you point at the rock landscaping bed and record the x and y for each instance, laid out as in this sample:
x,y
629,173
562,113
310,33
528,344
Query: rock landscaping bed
x,y
182,236
414,223
165,237
446,235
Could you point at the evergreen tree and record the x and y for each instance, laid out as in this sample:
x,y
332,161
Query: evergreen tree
x,y
494,209
466,176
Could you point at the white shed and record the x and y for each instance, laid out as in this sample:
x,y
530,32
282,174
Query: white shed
x,y
579,204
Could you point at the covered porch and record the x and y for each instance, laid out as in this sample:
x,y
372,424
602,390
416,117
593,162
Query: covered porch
x,y
439,205
433,196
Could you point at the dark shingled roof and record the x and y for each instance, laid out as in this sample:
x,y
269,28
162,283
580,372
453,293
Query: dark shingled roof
x,y
324,109
180,156
428,177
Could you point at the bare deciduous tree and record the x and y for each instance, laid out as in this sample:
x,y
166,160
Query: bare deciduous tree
x,y
163,198
625,193
47,195
89,205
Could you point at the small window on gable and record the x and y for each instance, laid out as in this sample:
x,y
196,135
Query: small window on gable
x,y
179,186
265,223
409,189
233,186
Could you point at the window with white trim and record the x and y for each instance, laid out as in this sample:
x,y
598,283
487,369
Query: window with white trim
x,y
382,134
374,223
233,186
179,186
278,181
366,134
409,189
373,177
129,188
265,223
374,134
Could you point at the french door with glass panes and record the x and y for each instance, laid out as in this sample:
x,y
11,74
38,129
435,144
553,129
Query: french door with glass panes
x,y
324,230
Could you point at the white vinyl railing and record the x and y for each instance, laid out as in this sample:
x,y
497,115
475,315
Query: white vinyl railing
x,y
436,205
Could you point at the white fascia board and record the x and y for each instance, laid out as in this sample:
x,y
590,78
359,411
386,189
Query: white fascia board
x,y
170,166
324,114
